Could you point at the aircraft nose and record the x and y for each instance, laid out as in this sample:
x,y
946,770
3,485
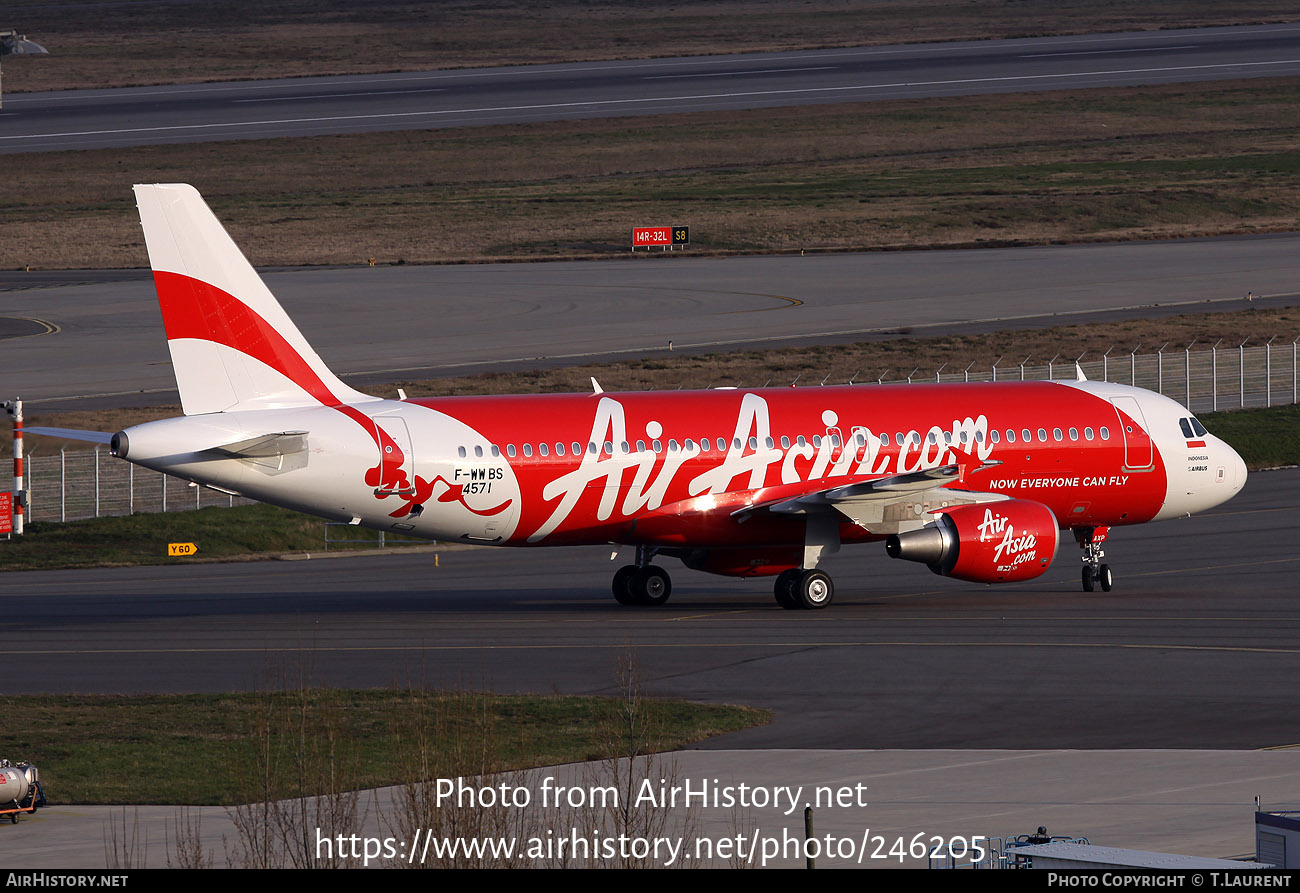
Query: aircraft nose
x,y
1236,469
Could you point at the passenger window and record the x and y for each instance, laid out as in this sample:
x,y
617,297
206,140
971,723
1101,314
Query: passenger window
x,y
510,450
559,449
543,450
1105,433
460,451
496,451
1087,433
1057,435
478,452
1011,435
1074,433
785,442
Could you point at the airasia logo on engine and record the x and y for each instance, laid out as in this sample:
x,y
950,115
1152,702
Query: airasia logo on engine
x,y
999,527
1015,539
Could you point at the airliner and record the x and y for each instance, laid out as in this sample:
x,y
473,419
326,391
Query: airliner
x,y
978,481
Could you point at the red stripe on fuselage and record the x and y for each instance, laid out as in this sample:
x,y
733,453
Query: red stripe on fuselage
x,y
1082,481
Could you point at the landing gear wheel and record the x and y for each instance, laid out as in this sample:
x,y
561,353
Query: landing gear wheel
x,y
784,588
623,584
651,586
814,589
1094,572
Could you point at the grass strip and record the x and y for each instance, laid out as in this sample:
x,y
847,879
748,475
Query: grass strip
x,y
221,534
1265,438
234,748
1123,163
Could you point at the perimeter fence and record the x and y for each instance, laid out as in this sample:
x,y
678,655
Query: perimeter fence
x,y
76,484
1202,380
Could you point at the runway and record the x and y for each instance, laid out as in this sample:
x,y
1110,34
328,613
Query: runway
x,y
92,119
98,338
1197,646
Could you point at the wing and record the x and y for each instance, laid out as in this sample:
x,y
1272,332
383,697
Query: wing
x,y
885,505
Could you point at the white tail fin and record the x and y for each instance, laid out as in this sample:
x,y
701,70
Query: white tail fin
x,y
232,345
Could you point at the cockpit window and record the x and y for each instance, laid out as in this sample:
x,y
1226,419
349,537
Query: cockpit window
x,y
1198,427
1186,425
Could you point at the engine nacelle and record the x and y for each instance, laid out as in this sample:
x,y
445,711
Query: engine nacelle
x,y
992,542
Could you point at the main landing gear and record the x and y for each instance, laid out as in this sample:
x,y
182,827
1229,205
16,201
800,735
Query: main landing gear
x,y
799,588
642,583
1094,572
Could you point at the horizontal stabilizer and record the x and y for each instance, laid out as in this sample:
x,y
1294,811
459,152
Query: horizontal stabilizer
x,y
72,434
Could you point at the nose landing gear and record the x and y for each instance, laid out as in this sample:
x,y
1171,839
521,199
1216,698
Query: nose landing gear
x,y
1094,572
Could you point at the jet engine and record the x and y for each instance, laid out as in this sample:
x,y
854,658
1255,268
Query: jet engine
x,y
993,542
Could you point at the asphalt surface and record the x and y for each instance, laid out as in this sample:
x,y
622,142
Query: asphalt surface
x,y
1195,648
103,340
91,119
